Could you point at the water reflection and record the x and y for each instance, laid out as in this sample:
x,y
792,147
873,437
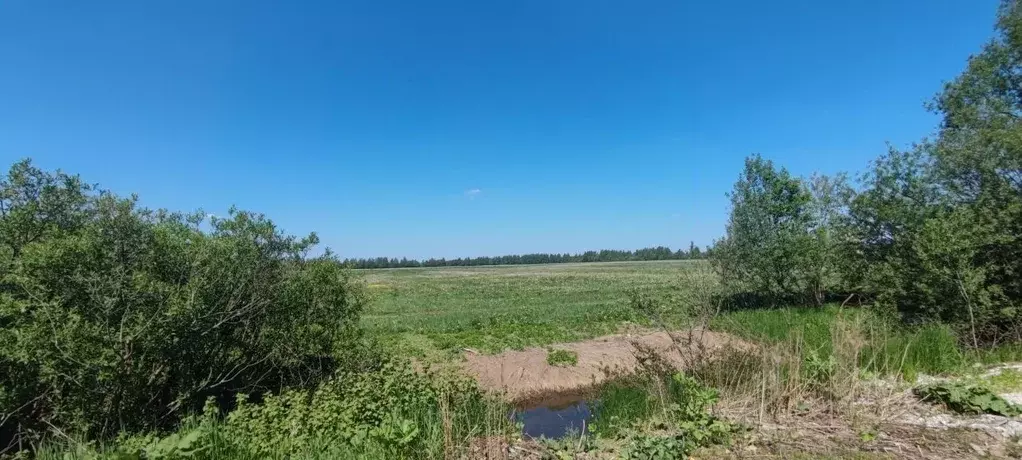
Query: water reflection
x,y
555,422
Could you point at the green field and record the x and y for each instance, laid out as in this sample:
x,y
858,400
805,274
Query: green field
x,y
420,310
436,312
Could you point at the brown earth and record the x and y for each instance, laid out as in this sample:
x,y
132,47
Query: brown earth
x,y
525,378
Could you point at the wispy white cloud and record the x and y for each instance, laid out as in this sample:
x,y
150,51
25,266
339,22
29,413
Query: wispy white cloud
x,y
472,193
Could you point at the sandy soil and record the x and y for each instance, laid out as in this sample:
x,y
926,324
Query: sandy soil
x,y
525,378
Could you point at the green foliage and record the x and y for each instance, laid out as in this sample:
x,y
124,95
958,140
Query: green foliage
x,y
114,317
935,234
386,412
889,347
939,228
780,244
656,447
967,399
682,424
186,443
930,348
389,407
660,415
562,358
918,252
569,447
818,369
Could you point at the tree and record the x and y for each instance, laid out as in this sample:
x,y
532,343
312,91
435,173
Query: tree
x,y
938,229
117,317
978,154
768,234
693,251
827,253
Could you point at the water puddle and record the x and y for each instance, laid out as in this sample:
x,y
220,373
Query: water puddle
x,y
554,421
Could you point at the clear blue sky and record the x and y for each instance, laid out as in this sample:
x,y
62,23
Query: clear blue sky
x,y
465,128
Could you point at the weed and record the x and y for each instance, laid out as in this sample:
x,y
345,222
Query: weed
x,y
561,358
967,399
675,422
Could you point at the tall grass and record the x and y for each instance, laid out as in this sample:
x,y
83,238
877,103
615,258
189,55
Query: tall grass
x,y
886,349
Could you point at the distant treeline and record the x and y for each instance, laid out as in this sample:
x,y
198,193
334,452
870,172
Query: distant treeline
x,y
606,255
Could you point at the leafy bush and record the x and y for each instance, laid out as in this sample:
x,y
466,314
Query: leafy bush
x,y
967,399
114,317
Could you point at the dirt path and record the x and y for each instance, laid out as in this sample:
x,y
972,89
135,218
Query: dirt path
x,y
525,378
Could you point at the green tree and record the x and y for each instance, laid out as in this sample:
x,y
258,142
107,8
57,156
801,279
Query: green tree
x,y
938,229
978,154
827,252
114,317
768,234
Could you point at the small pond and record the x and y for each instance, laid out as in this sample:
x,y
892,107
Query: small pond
x,y
554,421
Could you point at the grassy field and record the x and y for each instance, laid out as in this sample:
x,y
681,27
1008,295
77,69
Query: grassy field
x,y
498,307
436,312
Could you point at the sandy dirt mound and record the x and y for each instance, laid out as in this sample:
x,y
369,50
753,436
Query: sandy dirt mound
x,y
524,377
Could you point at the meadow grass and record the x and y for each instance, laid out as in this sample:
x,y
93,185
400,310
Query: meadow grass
x,y
437,312
489,309
929,348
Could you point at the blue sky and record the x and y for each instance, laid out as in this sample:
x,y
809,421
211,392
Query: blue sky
x,y
465,128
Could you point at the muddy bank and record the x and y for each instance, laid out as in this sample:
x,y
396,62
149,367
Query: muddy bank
x,y
525,378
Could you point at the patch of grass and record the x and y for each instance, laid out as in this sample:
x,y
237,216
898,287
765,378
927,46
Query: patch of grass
x,y
931,349
889,349
660,415
621,403
561,358
1003,353
490,309
810,325
1006,381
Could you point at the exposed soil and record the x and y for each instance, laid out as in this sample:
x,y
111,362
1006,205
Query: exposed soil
x,y
525,378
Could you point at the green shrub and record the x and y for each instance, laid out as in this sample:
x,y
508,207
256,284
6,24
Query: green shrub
x,y
782,241
386,407
386,412
114,317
